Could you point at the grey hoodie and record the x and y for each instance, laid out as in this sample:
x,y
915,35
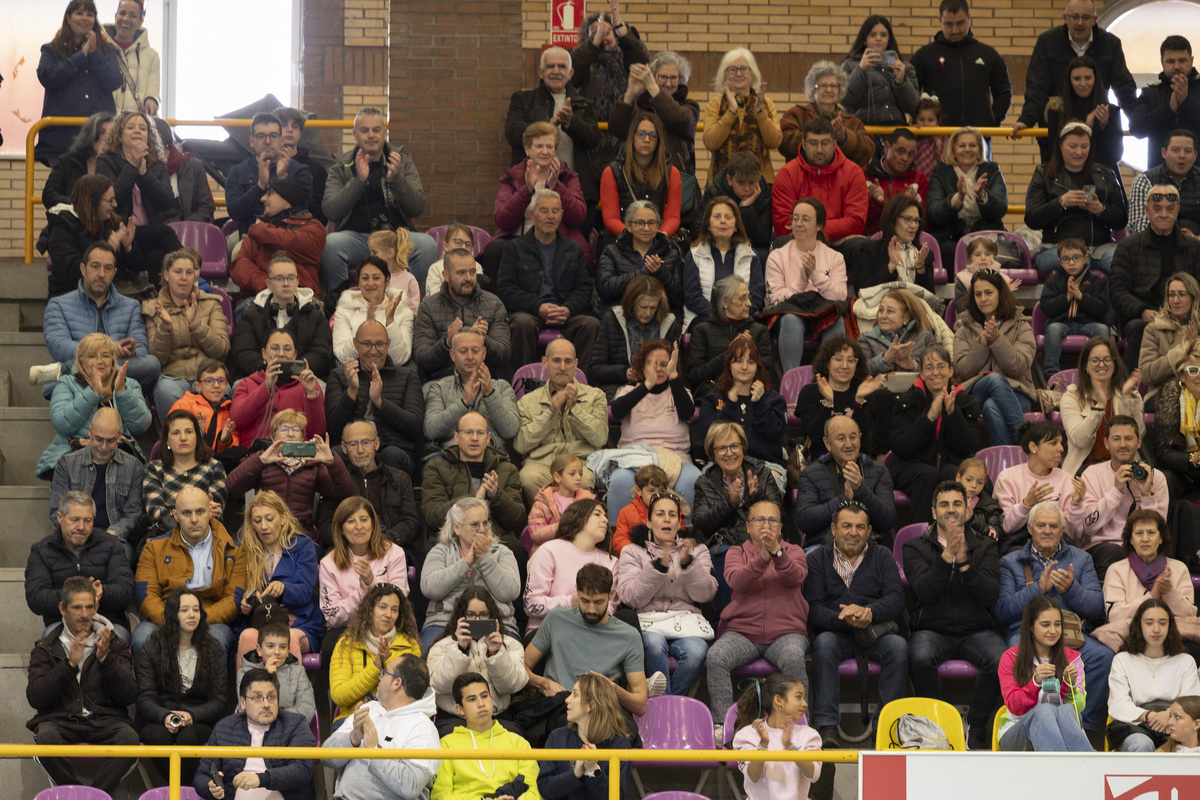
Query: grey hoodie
x,y
295,690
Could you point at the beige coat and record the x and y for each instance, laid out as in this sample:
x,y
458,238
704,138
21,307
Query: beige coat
x,y
1011,354
180,350
1162,350
1081,423
1123,593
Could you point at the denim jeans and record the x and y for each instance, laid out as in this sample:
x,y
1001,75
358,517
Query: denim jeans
x,y
1057,331
927,649
1003,407
429,635
1049,729
1137,743
732,650
620,486
689,652
220,631
166,392
792,330
344,249
830,649
1101,258
1097,663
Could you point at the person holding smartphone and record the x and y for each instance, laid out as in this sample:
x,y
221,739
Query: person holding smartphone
x,y
474,641
882,86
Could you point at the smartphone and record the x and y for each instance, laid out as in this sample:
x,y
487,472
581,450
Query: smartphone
x,y
299,449
290,369
889,57
1089,191
215,773
481,628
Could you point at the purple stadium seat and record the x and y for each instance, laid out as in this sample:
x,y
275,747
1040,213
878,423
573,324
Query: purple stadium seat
x,y
537,372
951,315
999,458
548,335
163,792
678,795
1071,344
226,307
311,661
229,227
674,722
902,536
957,670
759,668
793,381
1026,273
210,242
71,792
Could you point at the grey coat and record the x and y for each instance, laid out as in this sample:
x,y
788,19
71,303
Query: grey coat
x,y
874,95
444,408
295,690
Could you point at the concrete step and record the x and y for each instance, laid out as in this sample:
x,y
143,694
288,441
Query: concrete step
x,y
27,507
24,434
19,627
19,352
23,281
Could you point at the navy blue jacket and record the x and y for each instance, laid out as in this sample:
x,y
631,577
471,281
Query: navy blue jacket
x,y
1057,307
876,585
102,558
817,498
76,86
243,198
557,781
519,285
292,777
1085,596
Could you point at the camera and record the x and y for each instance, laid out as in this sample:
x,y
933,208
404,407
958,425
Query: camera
x,y
290,369
174,720
1139,471
299,449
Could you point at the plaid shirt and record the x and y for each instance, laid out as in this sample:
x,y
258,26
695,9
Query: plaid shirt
x,y
846,568
160,487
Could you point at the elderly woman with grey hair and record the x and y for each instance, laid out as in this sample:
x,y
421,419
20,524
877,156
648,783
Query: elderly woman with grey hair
x,y
641,250
739,115
712,334
467,553
824,85
661,89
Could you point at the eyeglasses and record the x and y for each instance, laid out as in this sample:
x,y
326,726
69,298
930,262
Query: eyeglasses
x,y
262,137
765,522
1075,259
371,345
394,675
259,698
290,429
936,366
357,443
465,244
910,219
277,349
727,449
1163,197
827,87
651,135
738,70
112,201
472,434
1100,362
644,224
284,278
478,526
105,442
477,615
214,381
1191,370
1178,295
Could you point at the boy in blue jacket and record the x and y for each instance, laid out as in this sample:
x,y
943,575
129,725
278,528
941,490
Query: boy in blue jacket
x,y
1073,301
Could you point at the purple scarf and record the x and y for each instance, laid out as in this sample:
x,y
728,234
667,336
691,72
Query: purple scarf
x,y
1147,573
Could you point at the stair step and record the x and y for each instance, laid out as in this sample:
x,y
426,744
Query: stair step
x,y
24,434
19,352
20,627
29,505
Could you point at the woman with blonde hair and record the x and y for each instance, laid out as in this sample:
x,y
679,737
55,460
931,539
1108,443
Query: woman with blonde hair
x,y
281,571
96,383
394,248
594,721
1174,327
739,115
966,193
1183,721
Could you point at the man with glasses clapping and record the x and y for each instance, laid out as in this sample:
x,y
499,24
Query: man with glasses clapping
x,y
249,180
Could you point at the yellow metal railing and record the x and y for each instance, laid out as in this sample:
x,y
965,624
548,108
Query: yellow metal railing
x,y
46,122
31,198
613,757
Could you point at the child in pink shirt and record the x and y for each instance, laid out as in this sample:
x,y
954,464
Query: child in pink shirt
x,y
395,248
565,487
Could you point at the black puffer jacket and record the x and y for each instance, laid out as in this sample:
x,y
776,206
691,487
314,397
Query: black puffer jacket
x,y
916,439
756,216
67,241
59,694
620,263
155,185
1044,212
715,518
102,558
399,417
711,337
310,332
946,600
1137,280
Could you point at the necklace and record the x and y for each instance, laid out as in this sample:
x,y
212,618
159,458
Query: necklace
x,y
1149,665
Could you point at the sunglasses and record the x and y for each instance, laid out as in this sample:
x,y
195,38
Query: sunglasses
x,y
1190,370
1164,197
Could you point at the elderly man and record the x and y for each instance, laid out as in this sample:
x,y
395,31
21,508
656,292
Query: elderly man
x,y
1056,48
390,491
844,473
1173,102
460,303
80,685
250,180
399,719
260,724
563,416
1178,169
1113,491
558,102
375,186
544,284
108,475
470,388
1143,264
954,576
853,585
288,305
969,77
199,554
96,307
77,548
1046,565
821,170
371,387
891,173
471,467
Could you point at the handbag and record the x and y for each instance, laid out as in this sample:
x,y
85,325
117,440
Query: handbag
x,y
1072,625
1118,731
866,638
676,625
264,611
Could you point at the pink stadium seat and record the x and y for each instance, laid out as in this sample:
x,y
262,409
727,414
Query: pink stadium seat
x,y
210,242
1071,344
1026,273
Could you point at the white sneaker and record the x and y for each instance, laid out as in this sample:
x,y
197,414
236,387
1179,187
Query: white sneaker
x,y
657,685
45,373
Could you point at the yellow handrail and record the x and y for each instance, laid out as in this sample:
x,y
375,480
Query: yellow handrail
x,y
614,757
46,122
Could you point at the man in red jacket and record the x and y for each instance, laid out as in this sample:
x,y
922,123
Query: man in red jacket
x,y
891,173
285,225
822,171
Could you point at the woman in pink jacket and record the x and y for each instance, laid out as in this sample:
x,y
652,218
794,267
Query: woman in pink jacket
x,y
805,264
1043,686
660,574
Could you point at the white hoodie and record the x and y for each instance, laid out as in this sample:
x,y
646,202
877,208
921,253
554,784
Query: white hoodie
x,y
406,728
303,297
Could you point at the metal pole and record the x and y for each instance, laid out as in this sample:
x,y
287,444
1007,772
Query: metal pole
x,y
175,776
614,778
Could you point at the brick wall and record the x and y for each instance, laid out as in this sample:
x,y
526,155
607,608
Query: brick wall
x,y
445,73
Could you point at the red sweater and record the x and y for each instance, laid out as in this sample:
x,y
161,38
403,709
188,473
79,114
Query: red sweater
x,y
841,187
614,215
630,517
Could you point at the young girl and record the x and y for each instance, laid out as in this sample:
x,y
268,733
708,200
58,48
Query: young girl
x,y
986,515
929,148
565,487
395,248
981,254
583,537
1036,713
1183,720
647,482
768,718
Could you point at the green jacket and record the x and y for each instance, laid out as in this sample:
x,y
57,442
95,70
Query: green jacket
x,y
447,479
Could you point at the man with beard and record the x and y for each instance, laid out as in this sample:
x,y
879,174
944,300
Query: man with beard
x,y
954,576
1173,102
249,180
460,303
584,637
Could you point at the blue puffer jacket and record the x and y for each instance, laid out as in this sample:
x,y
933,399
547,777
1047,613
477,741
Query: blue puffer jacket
x,y
291,777
71,408
1084,597
297,571
76,86
71,316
